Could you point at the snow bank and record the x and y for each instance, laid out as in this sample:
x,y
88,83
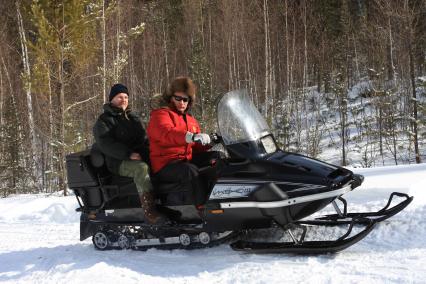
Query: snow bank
x,y
39,208
382,181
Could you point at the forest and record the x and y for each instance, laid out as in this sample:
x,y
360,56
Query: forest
x,y
348,75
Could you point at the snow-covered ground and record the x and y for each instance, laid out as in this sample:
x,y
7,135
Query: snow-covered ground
x,y
39,242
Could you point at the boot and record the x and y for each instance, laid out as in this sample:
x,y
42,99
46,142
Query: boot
x,y
152,216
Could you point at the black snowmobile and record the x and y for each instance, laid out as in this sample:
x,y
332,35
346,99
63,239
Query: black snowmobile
x,y
256,198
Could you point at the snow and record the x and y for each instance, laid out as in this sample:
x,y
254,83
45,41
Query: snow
x,y
39,243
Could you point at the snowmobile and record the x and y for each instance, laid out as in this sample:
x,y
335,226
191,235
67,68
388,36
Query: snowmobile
x,y
257,198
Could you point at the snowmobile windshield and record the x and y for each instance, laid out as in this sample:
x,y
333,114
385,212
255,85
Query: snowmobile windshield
x,y
239,120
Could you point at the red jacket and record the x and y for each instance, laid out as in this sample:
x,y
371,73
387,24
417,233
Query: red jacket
x,y
166,134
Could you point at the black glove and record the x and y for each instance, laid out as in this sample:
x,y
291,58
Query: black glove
x,y
215,138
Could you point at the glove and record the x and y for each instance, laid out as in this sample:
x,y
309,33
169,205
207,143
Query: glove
x,y
216,138
202,138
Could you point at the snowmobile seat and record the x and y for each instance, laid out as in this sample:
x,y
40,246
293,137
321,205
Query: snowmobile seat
x,y
173,193
114,187
97,159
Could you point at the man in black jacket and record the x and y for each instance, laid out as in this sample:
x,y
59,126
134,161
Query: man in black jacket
x,y
122,139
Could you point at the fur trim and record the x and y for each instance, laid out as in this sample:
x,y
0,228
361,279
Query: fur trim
x,y
157,101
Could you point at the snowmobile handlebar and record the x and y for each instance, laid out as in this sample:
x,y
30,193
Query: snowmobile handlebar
x,y
215,138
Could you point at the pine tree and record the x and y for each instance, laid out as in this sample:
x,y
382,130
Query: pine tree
x,y
62,33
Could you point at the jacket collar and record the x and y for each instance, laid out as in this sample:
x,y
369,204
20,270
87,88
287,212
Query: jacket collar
x,y
187,111
115,111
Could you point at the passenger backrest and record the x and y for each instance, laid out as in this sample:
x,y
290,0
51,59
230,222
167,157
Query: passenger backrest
x,y
80,171
97,159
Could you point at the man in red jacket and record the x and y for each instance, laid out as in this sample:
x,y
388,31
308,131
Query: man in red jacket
x,y
172,132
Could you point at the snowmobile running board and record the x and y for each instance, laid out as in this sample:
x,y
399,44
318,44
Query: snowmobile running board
x,y
306,247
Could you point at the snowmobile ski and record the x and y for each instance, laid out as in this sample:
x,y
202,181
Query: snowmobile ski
x,y
363,217
301,246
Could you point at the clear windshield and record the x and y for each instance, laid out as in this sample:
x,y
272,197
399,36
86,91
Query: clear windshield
x,y
239,120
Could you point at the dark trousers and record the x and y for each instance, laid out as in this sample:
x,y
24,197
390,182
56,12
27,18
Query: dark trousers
x,y
188,172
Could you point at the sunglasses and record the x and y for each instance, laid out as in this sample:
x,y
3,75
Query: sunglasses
x,y
178,99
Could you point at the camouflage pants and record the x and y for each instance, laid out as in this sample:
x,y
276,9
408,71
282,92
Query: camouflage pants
x,y
139,171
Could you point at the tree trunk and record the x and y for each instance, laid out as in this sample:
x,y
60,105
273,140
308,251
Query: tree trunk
x,y
1,107
267,56
61,122
50,152
15,143
343,133
166,58
104,95
381,134
27,87
414,100
391,67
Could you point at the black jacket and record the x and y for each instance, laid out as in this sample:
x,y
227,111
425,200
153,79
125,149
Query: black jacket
x,y
119,133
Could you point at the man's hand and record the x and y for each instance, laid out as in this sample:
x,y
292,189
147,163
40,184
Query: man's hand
x,y
202,138
135,157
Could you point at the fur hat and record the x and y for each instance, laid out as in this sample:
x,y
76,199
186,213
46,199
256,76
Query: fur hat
x,y
117,89
180,84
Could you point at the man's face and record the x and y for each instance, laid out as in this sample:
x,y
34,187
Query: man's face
x,y
120,100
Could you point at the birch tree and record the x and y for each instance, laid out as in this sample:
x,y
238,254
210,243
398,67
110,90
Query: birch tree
x,y
27,87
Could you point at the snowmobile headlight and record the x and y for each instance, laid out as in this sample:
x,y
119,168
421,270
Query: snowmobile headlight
x,y
269,144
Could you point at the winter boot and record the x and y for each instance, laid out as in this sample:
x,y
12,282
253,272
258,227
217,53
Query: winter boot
x,y
152,216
